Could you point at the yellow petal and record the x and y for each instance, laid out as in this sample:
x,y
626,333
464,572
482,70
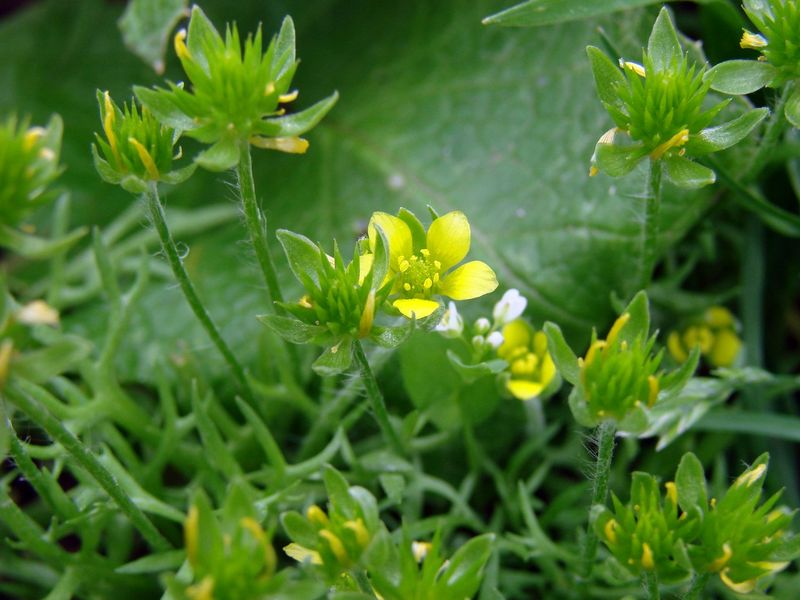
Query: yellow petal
x,y
290,145
725,348
548,370
516,334
301,554
397,233
524,390
364,265
470,280
448,239
410,307
144,156
719,317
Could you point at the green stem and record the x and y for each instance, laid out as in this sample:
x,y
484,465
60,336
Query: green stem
x,y
651,585
605,451
61,435
698,585
256,226
363,582
376,399
651,224
775,127
188,289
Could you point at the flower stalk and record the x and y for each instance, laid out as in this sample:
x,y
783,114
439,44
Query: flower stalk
x,y
158,217
376,399
605,451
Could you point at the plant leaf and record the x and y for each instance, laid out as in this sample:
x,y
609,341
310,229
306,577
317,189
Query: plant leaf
x,y
726,135
146,26
687,174
738,77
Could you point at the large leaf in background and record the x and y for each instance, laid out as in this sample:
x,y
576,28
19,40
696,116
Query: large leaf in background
x,y
435,109
146,26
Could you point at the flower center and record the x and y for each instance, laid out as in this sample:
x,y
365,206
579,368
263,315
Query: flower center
x,y
419,275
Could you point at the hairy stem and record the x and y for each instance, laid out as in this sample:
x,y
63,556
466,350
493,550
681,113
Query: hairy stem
x,y
190,293
605,451
376,399
649,251
256,226
651,585
698,585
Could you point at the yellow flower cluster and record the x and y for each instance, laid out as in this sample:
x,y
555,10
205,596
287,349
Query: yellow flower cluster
x,y
714,333
530,364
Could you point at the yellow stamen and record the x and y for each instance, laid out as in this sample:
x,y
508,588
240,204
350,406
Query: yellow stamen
x,y
593,171
420,550
365,323
336,546
593,349
147,160
180,45
290,97
190,534
672,492
621,321
427,284
437,265
647,557
652,384
632,66
609,531
713,503
720,562
290,145
404,264
301,553
31,137
425,252
269,89
305,302
358,528
203,590
676,141
750,477
317,516
753,41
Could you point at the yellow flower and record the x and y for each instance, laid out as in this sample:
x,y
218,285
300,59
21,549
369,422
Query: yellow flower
x,y
423,270
715,335
530,364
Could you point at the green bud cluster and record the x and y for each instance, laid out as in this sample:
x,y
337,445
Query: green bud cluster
x,y
236,94
28,165
779,23
686,533
137,149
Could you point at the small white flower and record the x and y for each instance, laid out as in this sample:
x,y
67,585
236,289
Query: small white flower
x,y
451,325
510,307
482,325
495,339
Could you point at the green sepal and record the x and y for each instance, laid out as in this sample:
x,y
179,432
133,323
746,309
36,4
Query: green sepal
x,y
390,337
107,173
690,481
635,421
687,174
678,378
663,47
739,77
163,107
470,373
222,156
617,160
607,77
463,574
339,492
133,184
792,108
210,544
580,408
303,255
418,235
638,324
284,48
334,362
562,355
203,38
177,176
291,329
296,123
726,135
299,529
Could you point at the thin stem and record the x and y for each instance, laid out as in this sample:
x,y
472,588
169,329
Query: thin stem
x,y
651,585
256,226
775,127
376,399
363,582
188,289
649,252
698,585
605,451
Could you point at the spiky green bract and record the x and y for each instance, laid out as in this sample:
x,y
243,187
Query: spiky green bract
x,y
28,166
137,149
779,23
235,93
660,111
340,303
648,533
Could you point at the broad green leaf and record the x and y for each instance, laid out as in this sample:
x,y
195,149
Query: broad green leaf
x,y
687,174
563,356
291,329
726,135
146,26
607,77
535,13
303,254
617,160
690,480
663,46
639,322
792,108
737,77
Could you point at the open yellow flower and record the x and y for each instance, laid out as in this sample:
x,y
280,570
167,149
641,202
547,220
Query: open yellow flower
x,y
531,366
424,265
